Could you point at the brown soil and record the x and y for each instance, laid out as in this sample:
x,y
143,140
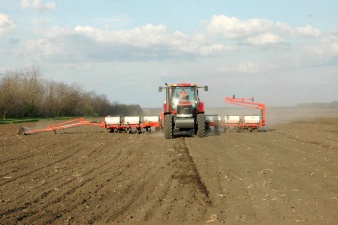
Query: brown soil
x,y
85,175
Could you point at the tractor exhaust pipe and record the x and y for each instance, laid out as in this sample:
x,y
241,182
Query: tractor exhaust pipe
x,y
167,98
160,89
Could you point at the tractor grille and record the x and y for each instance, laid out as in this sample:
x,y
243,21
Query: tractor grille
x,y
184,109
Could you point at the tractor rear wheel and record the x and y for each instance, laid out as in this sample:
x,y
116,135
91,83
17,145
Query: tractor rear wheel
x,y
200,125
168,126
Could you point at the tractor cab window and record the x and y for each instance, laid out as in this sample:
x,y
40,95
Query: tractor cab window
x,y
183,94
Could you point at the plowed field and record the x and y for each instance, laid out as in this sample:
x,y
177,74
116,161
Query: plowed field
x,y
85,175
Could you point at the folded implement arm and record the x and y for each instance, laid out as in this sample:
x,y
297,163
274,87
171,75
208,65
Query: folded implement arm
x,y
113,124
248,103
64,125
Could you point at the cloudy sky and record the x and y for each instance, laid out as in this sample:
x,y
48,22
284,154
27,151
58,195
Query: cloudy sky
x,y
282,52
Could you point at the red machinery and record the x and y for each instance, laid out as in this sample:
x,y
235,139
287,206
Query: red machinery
x,y
60,126
247,122
111,123
183,111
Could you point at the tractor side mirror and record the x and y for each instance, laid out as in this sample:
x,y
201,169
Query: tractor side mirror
x,y
205,88
160,89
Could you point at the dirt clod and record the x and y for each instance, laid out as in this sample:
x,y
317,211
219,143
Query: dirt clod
x,y
23,129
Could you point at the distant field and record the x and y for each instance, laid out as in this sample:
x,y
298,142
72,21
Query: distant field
x,y
274,115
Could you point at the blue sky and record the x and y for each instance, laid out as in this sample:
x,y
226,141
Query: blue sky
x,y
280,52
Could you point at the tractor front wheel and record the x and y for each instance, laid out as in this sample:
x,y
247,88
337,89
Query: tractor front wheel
x,y
168,126
200,125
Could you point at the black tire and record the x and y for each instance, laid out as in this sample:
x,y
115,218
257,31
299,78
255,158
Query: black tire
x,y
200,125
168,126
216,130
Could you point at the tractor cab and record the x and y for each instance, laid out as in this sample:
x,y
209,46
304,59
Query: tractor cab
x,y
183,96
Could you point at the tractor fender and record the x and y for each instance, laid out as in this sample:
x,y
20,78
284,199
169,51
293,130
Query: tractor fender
x,y
201,107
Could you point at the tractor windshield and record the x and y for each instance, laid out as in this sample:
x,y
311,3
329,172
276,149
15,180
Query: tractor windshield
x,y
183,94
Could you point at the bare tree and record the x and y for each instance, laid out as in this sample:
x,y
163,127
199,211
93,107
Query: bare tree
x,y
32,91
9,86
25,93
50,102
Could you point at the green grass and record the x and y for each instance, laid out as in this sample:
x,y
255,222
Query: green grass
x,y
9,121
27,120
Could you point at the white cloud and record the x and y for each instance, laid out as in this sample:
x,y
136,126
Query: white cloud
x,y
250,67
265,39
206,50
37,5
334,42
57,32
45,47
307,31
78,66
83,44
138,43
326,48
143,36
232,27
6,24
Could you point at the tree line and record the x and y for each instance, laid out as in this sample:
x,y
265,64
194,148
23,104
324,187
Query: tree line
x,y
25,93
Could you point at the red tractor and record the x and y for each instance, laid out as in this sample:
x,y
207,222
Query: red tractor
x,y
183,111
